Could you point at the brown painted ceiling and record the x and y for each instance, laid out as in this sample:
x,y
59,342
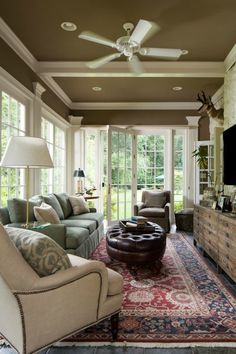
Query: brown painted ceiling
x,y
206,28
137,89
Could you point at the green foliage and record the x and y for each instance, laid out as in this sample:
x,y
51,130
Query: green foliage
x,y
201,158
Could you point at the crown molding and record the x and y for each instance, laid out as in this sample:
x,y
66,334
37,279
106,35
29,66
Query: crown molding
x,y
230,59
51,83
75,121
121,69
135,105
15,43
15,84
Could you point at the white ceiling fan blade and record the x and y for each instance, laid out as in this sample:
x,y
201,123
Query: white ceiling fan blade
x,y
135,65
94,64
163,53
143,31
93,37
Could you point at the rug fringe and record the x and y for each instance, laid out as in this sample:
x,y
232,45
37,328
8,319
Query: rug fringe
x,y
147,345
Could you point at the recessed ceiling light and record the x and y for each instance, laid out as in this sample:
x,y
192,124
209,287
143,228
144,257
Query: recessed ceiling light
x,y
184,51
68,26
97,88
177,88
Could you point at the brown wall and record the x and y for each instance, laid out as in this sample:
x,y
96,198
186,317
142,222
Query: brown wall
x,y
142,117
21,72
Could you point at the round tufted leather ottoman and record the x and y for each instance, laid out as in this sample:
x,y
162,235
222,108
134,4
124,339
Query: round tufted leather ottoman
x,y
135,248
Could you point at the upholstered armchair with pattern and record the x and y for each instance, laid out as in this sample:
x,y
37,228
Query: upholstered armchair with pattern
x,y
155,206
37,311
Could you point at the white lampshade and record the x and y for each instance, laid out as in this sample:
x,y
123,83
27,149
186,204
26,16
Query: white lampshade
x,y
26,151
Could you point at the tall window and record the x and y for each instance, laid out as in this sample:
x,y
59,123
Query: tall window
x,y
53,180
150,162
178,171
13,117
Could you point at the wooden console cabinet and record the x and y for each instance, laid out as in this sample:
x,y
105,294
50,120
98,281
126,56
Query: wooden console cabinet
x,y
215,232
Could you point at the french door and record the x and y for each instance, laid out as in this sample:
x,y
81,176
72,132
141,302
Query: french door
x,y
121,177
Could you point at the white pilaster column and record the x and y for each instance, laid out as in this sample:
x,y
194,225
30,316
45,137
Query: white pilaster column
x,y
35,130
73,151
191,139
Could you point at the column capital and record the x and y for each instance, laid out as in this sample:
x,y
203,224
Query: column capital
x,y
193,121
38,89
75,121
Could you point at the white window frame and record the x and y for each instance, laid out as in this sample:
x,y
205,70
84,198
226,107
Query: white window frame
x,y
56,121
17,91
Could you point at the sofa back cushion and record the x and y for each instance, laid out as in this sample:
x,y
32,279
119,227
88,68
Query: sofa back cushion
x,y
46,213
17,210
65,204
43,254
52,200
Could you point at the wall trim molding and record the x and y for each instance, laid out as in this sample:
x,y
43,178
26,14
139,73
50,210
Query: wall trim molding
x,y
135,105
121,69
15,43
230,59
51,83
15,84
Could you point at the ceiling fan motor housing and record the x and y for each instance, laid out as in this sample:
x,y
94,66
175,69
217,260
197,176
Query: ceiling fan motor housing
x,y
127,47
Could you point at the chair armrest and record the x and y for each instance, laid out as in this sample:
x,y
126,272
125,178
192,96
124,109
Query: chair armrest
x,y
82,269
167,209
138,207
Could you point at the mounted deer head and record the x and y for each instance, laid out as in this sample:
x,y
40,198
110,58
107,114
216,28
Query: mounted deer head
x,y
208,108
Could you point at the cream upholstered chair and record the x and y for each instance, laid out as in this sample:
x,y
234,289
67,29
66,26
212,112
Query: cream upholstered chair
x,y
38,311
155,206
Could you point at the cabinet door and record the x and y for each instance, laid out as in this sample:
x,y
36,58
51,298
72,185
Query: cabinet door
x,y
204,175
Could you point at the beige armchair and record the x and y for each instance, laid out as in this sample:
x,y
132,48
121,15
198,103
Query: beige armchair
x,y
155,206
38,311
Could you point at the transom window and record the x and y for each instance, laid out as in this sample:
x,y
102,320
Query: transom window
x,y
13,123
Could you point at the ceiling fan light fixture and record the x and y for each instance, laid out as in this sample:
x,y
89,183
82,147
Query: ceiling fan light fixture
x,y
68,26
97,88
177,88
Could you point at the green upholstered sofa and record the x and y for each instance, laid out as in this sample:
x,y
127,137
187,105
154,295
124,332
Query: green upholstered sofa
x,y
77,234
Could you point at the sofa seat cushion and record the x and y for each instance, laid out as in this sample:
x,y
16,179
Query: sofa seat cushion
x,y
115,282
75,236
43,254
87,224
98,217
149,212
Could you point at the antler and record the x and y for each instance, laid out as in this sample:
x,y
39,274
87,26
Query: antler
x,y
208,107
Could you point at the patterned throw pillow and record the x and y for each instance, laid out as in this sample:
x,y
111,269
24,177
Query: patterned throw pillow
x,y
46,213
43,254
79,205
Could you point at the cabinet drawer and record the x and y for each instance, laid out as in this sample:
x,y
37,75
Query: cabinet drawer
x,y
227,251
211,250
227,236
228,266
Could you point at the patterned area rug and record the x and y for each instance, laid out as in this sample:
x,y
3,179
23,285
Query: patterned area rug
x,y
183,302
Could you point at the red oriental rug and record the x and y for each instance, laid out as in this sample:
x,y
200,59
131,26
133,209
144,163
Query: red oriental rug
x,y
184,303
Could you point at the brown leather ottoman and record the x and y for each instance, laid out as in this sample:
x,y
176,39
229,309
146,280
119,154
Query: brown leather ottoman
x,y
136,248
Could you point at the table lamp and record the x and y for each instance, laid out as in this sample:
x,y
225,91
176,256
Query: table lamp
x,y
26,152
80,182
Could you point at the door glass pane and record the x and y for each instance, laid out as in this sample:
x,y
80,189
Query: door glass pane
x,y
178,171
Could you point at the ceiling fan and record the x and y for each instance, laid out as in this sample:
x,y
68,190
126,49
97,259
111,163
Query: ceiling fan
x,y
130,45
